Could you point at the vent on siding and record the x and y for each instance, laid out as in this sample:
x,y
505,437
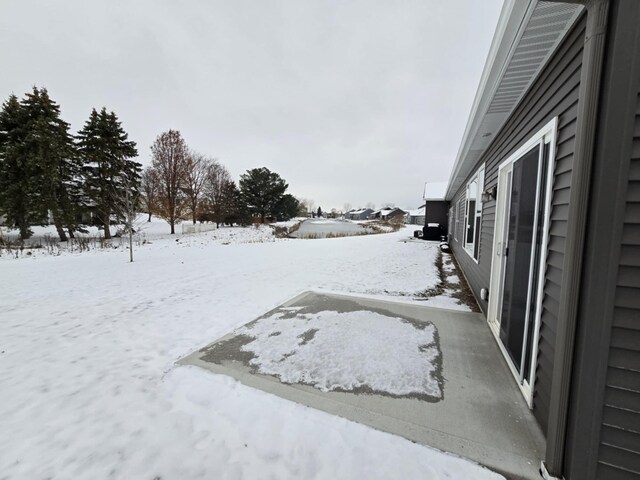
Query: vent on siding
x,y
538,41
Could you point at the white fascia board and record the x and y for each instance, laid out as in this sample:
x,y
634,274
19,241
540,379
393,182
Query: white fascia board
x,y
511,25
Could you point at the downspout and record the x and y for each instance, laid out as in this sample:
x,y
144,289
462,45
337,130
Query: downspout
x,y
590,80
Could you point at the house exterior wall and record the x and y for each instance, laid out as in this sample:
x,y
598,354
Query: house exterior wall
x,y
553,94
603,430
437,212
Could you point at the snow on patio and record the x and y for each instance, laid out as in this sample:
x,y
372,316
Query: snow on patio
x,y
88,345
347,351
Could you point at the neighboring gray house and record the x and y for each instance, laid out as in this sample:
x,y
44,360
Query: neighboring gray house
x,y
437,208
387,213
415,217
360,214
544,204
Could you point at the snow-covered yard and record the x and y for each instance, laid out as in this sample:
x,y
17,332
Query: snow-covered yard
x,y
88,344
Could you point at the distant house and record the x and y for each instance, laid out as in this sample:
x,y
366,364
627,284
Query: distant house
x,y
435,204
416,217
387,213
360,214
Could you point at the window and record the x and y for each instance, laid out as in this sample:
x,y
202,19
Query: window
x,y
451,223
473,213
457,216
460,206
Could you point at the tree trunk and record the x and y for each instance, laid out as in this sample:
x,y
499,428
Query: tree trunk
x,y
107,231
24,229
173,227
105,224
71,234
130,241
149,219
60,229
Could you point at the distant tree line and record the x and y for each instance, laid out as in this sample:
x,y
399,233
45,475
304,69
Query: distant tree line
x,y
181,183
48,175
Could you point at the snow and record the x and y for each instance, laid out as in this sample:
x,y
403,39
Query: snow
x,y
289,223
435,190
347,351
146,233
416,212
88,345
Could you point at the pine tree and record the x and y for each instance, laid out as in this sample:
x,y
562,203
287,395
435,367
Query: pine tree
x,y
47,149
109,170
16,173
231,207
261,190
287,208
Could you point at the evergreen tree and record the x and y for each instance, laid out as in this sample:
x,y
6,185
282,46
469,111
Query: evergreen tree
x,y
287,208
16,173
48,151
111,176
319,212
232,208
261,190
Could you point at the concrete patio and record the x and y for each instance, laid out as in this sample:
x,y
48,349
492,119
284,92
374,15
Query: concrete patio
x,y
480,413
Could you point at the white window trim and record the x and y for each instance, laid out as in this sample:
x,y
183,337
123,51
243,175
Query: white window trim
x,y
548,134
457,216
469,247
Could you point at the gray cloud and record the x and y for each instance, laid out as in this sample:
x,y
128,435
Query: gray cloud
x,y
351,101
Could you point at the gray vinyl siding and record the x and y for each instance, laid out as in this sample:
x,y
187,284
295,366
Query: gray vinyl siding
x,y
554,93
619,451
602,439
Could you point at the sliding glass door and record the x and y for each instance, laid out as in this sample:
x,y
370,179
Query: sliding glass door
x,y
522,206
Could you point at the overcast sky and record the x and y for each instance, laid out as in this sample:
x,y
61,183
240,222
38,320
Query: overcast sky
x,y
351,101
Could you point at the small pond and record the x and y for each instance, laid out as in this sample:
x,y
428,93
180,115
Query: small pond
x,y
327,228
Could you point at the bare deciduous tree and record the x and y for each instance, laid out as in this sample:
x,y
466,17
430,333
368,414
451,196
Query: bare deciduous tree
x,y
346,207
370,205
170,160
310,205
195,179
150,184
216,180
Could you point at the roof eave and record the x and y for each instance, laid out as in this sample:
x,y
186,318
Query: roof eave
x,y
510,25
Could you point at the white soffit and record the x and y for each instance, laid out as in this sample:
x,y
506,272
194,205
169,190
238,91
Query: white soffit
x,y
527,34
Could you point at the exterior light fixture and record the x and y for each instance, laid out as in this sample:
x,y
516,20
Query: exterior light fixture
x,y
489,195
